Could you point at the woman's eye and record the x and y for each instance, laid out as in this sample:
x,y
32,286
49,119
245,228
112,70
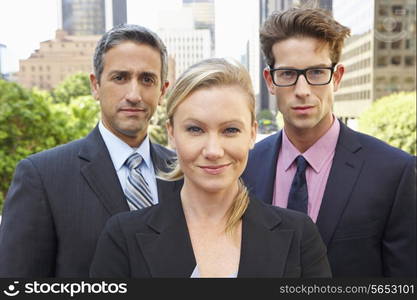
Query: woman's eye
x,y
231,131
194,129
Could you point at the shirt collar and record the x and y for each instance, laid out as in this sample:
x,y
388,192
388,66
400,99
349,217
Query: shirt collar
x,y
318,153
120,151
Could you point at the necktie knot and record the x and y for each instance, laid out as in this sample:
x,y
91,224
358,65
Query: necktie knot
x,y
301,163
134,161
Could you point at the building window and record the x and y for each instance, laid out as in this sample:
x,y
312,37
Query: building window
x,y
33,68
394,80
382,61
398,10
409,80
409,61
396,60
398,27
382,45
383,10
23,68
380,80
396,45
381,27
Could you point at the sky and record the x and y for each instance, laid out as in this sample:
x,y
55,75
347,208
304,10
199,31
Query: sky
x,y
26,23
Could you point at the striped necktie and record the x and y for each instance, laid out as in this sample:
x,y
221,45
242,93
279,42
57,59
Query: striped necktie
x,y
137,189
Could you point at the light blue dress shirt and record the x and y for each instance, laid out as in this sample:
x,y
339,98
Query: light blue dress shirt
x,y
120,151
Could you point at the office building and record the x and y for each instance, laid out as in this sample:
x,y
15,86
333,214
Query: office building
x,y
203,16
56,59
380,55
91,17
186,47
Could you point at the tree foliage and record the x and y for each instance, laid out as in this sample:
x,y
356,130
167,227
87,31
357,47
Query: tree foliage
x,y
157,131
30,121
265,114
73,86
393,120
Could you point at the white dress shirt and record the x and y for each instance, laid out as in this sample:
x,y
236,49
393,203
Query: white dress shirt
x,y
120,151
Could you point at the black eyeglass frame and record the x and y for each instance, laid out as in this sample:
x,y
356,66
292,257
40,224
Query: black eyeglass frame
x,y
302,72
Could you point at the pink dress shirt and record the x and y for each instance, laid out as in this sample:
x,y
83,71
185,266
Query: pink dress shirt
x,y
319,156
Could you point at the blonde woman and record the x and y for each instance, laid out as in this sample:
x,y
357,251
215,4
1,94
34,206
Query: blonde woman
x,y
209,226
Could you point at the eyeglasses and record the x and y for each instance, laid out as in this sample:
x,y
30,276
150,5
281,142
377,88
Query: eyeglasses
x,y
314,76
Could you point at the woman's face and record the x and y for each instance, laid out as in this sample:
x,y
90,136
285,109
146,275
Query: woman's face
x,y
212,133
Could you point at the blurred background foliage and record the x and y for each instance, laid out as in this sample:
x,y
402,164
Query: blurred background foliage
x,y
393,120
32,121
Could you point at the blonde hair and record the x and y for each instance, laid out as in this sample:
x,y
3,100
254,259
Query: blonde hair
x,y
214,72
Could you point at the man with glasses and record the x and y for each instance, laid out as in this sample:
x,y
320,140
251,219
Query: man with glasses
x,y
360,191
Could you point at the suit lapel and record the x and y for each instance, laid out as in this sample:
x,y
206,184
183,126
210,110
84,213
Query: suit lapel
x,y
344,172
264,162
99,172
265,246
167,250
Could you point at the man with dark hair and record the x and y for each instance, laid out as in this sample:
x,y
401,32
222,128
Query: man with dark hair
x,y
360,191
60,199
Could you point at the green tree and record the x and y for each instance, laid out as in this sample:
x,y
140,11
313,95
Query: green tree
x,y
265,114
393,120
157,130
30,122
73,86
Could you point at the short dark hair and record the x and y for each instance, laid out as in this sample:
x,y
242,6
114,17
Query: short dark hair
x,y
298,22
133,33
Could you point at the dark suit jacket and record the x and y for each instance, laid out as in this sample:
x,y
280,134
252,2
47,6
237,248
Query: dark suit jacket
x,y
367,217
57,206
155,242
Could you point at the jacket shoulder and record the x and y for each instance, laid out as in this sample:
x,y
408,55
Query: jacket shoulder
x,y
58,151
164,152
266,143
379,146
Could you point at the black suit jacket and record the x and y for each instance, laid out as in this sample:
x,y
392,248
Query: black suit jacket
x,y
57,206
367,217
155,242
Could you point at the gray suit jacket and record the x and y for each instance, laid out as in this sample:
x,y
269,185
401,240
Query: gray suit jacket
x,y
57,205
